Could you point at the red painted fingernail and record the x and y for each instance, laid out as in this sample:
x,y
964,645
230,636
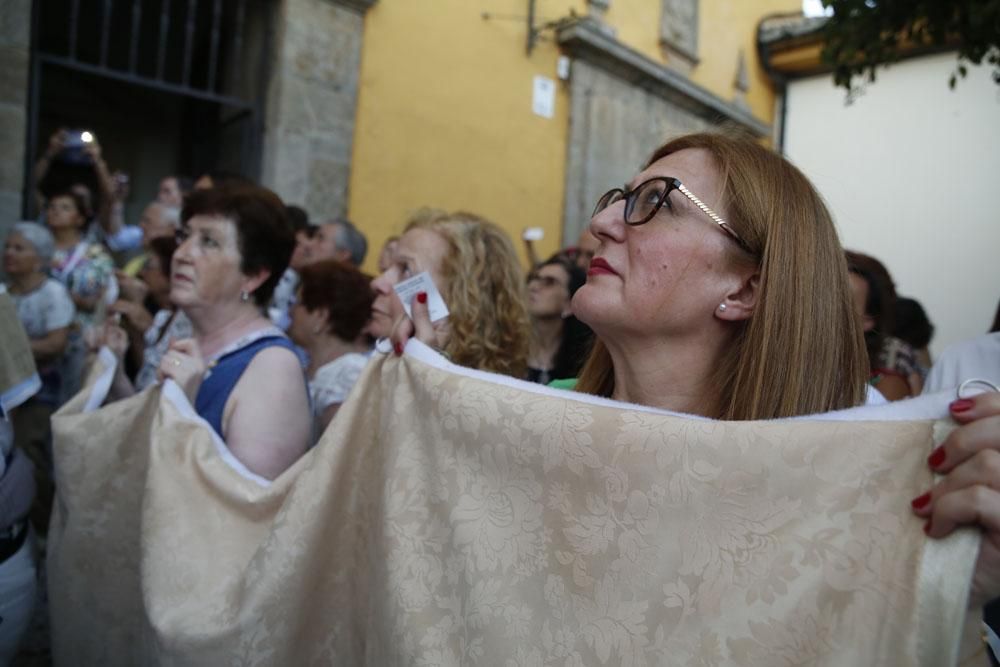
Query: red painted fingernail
x,y
936,458
927,527
921,501
398,348
961,405
422,297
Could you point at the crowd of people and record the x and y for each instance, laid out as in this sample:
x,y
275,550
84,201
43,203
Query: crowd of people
x,y
714,285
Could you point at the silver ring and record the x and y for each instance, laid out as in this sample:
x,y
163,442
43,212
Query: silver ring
x,y
976,382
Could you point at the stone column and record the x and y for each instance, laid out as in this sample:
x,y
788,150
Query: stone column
x,y
15,38
311,103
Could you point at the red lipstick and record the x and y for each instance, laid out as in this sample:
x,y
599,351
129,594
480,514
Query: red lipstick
x,y
598,267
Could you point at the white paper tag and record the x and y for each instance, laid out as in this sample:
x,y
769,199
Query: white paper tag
x,y
543,97
422,282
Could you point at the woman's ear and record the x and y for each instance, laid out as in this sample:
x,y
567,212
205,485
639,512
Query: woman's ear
x,y
739,304
251,283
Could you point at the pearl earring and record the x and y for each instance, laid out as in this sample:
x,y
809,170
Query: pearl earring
x,y
722,307
244,296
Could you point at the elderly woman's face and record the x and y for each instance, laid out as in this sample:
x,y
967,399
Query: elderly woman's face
x,y
418,250
206,267
19,256
667,276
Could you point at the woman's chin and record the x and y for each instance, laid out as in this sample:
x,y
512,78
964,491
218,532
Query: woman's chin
x,y
591,303
181,296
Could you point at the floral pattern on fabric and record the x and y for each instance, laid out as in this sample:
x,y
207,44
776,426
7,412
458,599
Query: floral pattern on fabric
x,y
449,519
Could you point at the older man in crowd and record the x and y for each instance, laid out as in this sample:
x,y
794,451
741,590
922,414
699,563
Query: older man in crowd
x,y
337,239
157,220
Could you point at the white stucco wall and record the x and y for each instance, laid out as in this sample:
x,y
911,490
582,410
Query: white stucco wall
x,y
911,172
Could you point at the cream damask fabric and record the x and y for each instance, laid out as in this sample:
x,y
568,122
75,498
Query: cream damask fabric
x,y
450,517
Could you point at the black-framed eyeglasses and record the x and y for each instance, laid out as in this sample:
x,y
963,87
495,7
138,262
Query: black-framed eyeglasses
x,y
546,281
642,203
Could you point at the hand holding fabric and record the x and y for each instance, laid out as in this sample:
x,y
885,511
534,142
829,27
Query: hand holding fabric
x,y
969,492
184,365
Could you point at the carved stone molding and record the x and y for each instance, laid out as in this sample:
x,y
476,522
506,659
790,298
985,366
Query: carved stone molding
x,y
361,6
679,29
586,41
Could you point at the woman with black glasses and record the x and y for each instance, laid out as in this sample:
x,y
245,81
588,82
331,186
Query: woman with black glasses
x,y
559,341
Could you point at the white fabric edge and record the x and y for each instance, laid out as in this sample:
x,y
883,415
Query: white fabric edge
x,y
941,613
19,394
931,406
173,393
99,392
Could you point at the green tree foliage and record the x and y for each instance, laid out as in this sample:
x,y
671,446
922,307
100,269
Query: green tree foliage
x,y
864,34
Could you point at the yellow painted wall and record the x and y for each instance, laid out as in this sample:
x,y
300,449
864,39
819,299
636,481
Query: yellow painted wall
x,y
444,113
444,119
724,27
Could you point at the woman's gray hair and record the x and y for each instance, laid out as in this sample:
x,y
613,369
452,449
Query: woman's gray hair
x,y
38,236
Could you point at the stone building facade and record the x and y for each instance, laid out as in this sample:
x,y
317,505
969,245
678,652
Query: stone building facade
x,y
15,32
339,98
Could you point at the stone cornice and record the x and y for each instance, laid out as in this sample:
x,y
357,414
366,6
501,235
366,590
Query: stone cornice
x,y
584,40
360,6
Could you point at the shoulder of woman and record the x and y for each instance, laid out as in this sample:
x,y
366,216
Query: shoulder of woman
x,y
56,292
347,363
277,363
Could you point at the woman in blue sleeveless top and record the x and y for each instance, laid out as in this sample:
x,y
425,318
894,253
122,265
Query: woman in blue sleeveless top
x,y
240,372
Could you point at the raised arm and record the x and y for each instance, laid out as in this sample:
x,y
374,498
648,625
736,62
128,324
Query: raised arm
x,y
267,423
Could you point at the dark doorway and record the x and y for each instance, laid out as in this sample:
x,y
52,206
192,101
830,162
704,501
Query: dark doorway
x,y
166,86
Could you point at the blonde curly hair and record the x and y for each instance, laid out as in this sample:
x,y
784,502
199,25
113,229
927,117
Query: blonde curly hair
x,y
485,292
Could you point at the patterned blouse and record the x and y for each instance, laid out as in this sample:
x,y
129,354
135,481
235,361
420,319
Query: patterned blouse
x,y
86,270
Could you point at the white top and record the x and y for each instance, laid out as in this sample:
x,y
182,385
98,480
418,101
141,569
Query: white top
x,y
44,309
281,301
977,358
333,381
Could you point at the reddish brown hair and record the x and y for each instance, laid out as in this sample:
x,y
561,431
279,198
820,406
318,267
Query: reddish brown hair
x,y
344,291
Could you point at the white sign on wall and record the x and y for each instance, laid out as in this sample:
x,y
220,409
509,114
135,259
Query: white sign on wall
x,y
543,97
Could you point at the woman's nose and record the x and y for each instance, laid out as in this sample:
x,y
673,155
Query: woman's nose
x,y
609,223
382,283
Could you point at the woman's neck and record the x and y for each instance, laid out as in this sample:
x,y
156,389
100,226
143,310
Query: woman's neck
x,y
326,348
66,237
218,326
674,375
546,337
25,282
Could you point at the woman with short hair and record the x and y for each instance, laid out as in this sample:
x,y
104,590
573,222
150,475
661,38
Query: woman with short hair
x,y
46,312
328,315
241,372
475,267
